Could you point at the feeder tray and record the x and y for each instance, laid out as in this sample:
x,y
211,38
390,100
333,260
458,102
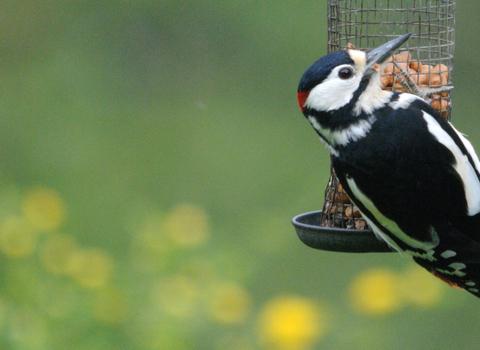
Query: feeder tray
x,y
427,57
316,236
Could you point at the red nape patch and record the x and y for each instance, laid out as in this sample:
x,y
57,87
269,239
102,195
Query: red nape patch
x,y
302,97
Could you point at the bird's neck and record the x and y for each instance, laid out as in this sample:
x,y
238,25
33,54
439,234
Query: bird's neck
x,y
371,97
337,129
354,120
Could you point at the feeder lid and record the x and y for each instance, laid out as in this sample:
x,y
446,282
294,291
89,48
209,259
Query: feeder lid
x,y
336,239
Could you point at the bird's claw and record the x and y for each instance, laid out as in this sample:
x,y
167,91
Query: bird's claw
x,y
412,87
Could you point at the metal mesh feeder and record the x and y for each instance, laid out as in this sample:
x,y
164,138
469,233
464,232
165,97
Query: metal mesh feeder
x,y
423,67
428,55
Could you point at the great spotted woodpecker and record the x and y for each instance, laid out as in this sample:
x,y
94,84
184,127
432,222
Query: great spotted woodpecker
x,y
414,177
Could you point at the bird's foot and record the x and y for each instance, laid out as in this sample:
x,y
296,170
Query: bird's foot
x,y
411,87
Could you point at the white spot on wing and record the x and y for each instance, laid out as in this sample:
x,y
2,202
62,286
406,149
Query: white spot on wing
x,y
390,225
428,255
473,290
448,254
470,284
456,272
463,167
469,148
457,266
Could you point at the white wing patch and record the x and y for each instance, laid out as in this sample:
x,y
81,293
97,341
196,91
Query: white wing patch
x,y
390,225
463,167
469,148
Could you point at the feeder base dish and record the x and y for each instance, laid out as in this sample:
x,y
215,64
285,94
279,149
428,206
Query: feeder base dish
x,y
315,236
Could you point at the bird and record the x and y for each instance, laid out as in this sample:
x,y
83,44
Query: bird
x,y
413,176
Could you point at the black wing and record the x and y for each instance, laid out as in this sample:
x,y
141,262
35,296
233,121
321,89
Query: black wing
x,y
416,180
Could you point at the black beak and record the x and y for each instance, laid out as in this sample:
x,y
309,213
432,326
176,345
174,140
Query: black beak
x,y
381,53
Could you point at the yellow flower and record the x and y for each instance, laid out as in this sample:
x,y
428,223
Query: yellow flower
x,y
291,322
91,268
187,225
18,238
420,288
44,208
375,291
229,303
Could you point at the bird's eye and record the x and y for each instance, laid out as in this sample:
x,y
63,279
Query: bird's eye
x,y
345,73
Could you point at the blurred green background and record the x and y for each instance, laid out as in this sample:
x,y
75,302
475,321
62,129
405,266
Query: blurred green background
x,y
152,155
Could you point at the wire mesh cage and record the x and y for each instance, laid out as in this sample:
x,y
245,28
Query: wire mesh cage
x,y
427,58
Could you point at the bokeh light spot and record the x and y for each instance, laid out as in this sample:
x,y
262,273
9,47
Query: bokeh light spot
x,y
187,225
291,322
375,291
91,267
44,208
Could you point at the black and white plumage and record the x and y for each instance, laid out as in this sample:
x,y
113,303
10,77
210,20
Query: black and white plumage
x,y
414,177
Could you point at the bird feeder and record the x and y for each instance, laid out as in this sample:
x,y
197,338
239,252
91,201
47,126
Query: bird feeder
x,y
426,60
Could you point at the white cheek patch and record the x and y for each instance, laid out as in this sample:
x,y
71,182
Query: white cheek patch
x,y
463,167
333,93
390,225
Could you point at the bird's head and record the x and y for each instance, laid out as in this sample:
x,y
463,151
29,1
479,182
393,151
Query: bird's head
x,y
340,78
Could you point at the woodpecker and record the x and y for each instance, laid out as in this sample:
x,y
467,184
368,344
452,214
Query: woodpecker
x,y
414,177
